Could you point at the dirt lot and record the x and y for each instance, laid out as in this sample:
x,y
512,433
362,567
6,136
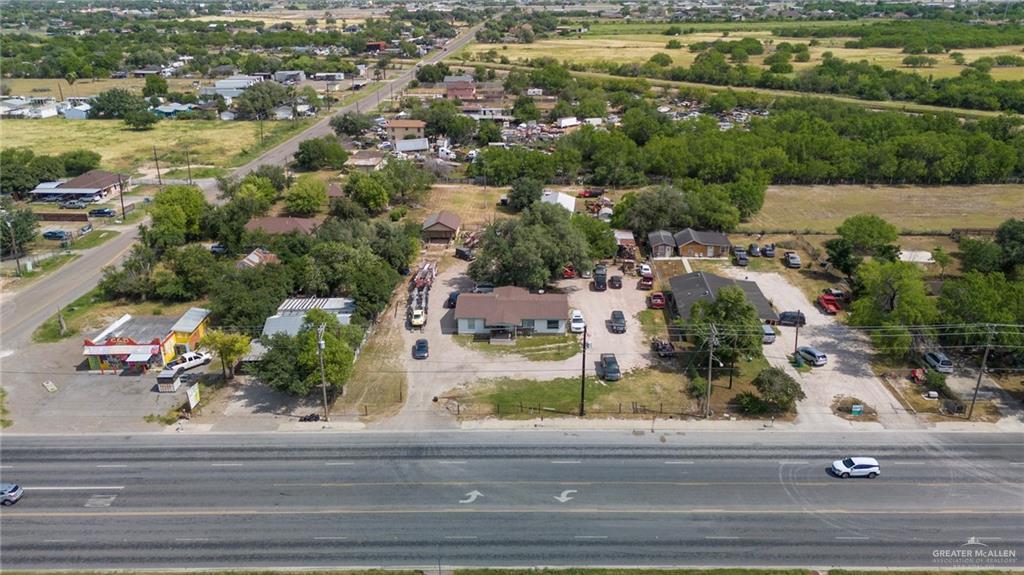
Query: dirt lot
x,y
452,366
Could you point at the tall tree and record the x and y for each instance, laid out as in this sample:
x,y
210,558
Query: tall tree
x,y
306,196
778,389
229,347
867,232
739,328
893,296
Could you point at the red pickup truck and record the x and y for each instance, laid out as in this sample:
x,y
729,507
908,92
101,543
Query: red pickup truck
x,y
657,300
646,282
829,304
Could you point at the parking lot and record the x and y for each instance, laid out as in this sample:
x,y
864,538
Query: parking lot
x,y
849,352
452,364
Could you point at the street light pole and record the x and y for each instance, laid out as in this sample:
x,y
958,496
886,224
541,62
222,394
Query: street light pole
x,y
323,375
583,373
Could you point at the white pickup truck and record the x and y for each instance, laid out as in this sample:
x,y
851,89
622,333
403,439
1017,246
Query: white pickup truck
x,y
190,360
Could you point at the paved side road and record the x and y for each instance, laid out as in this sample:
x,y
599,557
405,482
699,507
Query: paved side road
x,y
507,499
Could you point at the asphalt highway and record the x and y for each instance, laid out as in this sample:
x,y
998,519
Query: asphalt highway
x,y
509,499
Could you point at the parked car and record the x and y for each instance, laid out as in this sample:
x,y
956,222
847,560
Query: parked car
x,y
792,318
103,213
767,334
812,355
856,467
618,322
59,235
600,282
421,350
72,205
646,282
754,251
483,288
84,229
10,493
218,249
615,282
834,292
591,193
576,322
828,303
190,360
645,270
465,254
792,260
741,259
453,298
768,251
656,301
938,361
418,318
610,367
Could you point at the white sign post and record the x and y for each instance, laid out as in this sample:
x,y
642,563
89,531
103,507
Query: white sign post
x,y
193,396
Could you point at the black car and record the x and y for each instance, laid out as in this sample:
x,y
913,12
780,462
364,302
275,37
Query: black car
x,y
600,283
103,213
754,250
741,259
453,297
618,322
792,318
615,282
465,254
768,251
421,350
610,367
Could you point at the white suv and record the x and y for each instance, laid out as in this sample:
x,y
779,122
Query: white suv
x,y
576,323
856,467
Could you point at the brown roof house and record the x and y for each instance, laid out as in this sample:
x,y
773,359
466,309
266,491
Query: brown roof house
x,y
698,244
406,129
441,227
279,225
509,310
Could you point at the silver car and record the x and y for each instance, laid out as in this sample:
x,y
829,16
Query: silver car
x,y
10,493
812,356
938,361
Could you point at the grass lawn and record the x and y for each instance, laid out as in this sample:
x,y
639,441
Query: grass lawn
x,y
93,239
377,386
211,142
639,572
476,205
652,321
85,87
197,173
910,208
533,348
41,269
90,313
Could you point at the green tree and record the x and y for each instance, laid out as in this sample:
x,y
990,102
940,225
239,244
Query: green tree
x,y
1010,237
524,192
244,298
306,196
190,271
16,173
841,256
406,182
177,215
141,120
116,103
78,162
276,174
258,101
369,191
660,59
893,295
320,153
867,232
739,328
20,227
599,236
229,347
778,389
525,109
980,298
674,45
487,132
351,124
981,255
941,259
156,85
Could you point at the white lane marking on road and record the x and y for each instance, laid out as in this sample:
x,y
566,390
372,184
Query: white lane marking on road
x,y
721,537
1017,463
329,538
471,496
59,540
910,463
794,463
100,501
565,462
192,539
81,488
851,538
339,463
225,465
111,465
590,537
453,462
565,495
466,537
678,463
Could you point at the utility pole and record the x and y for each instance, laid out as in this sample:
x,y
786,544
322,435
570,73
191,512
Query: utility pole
x,y
159,179
120,187
796,340
14,245
981,370
712,342
583,373
323,376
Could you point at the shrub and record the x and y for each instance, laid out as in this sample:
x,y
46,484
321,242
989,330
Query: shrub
x,y
751,404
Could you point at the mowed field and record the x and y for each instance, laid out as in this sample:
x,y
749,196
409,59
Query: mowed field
x,y
910,208
54,87
210,142
639,47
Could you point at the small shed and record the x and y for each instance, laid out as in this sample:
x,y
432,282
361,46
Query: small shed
x,y
661,244
441,227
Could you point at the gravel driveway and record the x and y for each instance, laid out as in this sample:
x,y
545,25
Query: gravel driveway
x,y
451,364
849,360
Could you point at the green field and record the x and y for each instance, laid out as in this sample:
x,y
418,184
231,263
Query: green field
x,y
212,143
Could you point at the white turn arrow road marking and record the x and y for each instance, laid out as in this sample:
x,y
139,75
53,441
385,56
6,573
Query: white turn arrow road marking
x,y
471,496
565,496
